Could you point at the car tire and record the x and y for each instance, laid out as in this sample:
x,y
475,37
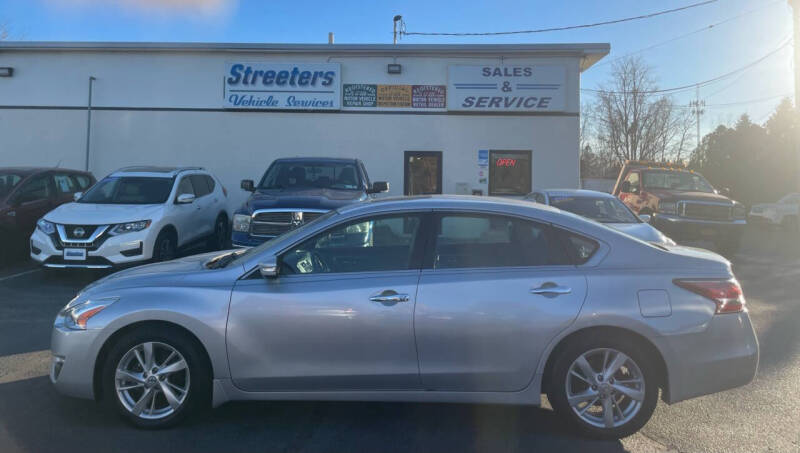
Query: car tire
x,y
573,397
127,385
219,239
165,247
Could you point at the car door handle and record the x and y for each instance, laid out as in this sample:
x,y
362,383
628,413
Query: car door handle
x,y
551,289
389,296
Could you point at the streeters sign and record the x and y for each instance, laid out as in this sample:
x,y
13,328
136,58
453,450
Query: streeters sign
x,y
514,88
282,86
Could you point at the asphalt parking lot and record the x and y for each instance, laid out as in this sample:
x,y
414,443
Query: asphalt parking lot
x,y
762,416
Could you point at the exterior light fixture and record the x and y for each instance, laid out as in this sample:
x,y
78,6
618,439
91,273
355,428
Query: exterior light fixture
x,y
394,68
6,72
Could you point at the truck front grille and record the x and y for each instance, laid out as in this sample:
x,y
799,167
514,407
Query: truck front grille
x,y
274,223
705,211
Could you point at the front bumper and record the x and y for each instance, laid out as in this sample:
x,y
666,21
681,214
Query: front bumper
x,y
240,239
721,357
113,251
682,228
73,361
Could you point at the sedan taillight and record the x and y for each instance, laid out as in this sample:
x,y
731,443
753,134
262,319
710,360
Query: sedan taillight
x,y
727,294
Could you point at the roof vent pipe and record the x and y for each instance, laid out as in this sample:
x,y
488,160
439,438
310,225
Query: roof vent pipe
x,y
330,37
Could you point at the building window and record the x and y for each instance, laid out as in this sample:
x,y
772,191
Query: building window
x,y
509,172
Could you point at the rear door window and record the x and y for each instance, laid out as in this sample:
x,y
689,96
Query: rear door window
x,y
64,183
483,240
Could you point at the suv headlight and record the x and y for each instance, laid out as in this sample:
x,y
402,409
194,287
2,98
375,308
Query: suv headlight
x,y
130,227
668,207
76,315
46,227
739,211
241,223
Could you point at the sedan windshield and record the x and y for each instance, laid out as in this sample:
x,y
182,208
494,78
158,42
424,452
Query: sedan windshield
x,y
676,180
129,190
603,210
7,182
306,175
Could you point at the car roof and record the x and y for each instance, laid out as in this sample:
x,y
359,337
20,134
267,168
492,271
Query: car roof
x,y
31,170
316,159
576,193
153,171
466,202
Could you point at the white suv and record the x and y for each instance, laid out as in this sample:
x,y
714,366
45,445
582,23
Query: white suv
x,y
134,214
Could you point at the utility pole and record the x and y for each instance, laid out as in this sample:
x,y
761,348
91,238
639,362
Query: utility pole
x,y
395,20
795,4
698,108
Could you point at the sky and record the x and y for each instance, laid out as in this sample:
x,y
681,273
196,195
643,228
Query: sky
x,y
752,29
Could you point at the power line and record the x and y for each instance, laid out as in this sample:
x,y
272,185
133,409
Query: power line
x,y
786,43
569,27
685,35
751,101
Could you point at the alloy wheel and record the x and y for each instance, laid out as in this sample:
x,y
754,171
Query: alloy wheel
x,y
605,388
152,380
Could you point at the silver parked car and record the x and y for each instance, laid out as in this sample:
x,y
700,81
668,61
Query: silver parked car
x,y
447,299
604,208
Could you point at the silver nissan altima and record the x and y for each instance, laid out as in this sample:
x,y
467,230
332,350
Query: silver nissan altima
x,y
435,299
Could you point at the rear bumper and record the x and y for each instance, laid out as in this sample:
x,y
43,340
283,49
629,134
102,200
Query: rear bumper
x,y
681,228
723,356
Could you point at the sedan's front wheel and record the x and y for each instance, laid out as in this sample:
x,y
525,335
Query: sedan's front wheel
x,y
154,378
605,387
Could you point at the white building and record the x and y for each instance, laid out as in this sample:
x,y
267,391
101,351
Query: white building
x,y
490,119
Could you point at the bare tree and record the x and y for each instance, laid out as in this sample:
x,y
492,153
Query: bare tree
x,y
632,121
4,31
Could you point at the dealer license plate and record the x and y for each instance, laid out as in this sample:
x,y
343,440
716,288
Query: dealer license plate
x,y
75,254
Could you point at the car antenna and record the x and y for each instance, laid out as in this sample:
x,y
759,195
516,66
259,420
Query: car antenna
x,y
58,165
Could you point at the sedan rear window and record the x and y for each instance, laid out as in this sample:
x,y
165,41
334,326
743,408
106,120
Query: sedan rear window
x,y
129,190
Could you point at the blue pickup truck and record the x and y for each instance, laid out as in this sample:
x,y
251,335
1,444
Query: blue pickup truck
x,y
294,191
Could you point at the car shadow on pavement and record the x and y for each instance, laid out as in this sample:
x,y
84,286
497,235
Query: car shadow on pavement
x,y
33,417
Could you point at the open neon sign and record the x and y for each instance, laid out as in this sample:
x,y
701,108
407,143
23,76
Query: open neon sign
x,y
505,162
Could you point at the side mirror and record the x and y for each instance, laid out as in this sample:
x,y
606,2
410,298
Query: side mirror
x,y
269,267
248,185
77,196
379,186
645,218
185,198
625,187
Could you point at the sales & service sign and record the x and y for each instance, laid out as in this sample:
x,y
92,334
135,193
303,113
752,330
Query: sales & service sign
x,y
282,86
517,88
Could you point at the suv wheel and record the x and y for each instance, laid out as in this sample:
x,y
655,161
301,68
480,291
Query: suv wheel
x,y
165,247
606,388
155,378
219,240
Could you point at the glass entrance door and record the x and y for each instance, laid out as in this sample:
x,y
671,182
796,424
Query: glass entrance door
x,y
423,173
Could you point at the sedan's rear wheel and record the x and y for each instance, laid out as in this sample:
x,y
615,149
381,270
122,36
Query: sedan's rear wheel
x,y
606,388
155,378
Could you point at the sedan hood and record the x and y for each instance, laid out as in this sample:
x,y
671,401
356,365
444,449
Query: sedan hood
x,y
641,231
172,273
326,199
101,214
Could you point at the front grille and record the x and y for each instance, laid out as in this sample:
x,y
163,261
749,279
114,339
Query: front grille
x,y
79,231
275,223
706,211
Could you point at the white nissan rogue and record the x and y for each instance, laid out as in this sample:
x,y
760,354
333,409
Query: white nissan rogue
x,y
134,214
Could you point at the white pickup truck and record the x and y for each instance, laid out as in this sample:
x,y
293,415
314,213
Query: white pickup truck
x,y
784,212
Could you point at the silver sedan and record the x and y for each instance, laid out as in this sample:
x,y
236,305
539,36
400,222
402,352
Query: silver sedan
x,y
435,299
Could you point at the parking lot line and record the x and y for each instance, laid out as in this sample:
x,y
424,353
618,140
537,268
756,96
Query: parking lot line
x,y
20,274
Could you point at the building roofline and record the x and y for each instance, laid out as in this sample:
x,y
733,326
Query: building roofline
x,y
589,52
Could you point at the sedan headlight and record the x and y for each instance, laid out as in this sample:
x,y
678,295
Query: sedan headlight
x,y
668,207
130,227
739,212
76,315
241,223
46,227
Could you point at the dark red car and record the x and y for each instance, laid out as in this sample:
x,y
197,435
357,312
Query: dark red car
x,y
27,194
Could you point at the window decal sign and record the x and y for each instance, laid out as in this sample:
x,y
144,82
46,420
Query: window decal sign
x,y
517,88
282,86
